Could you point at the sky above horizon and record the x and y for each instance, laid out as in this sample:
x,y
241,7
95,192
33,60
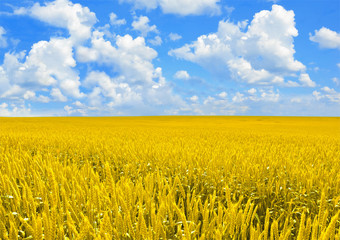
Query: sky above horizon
x,y
169,57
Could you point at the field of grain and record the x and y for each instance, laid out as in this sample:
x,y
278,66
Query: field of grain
x,y
170,178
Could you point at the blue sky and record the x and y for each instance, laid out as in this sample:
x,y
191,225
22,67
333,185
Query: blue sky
x,y
162,57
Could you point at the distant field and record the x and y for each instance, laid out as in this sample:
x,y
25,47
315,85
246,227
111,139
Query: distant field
x,y
170,178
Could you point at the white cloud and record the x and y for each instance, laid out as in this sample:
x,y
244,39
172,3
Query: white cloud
x,y
252,91
3,105
157,41
222,94
338,64
317,95
326,38
137,84
141,4
191,7
3,39
131,58
174,36
270,96
69,109
306,81
29,95
118,92
184,75
114,21
217,106
228,9
194,98
327,93
141,24
180,7
239,97
57,95
336,81
47,64
331,94
264,54
14,110
77,19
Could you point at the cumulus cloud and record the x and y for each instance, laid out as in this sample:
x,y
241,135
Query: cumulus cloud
x,y
174,36
222,94
326,38
184,75
14,110
77,19
3,39
194,98
30,95
239,97
47,72
252,91
57,95
114,21
48,64
261,54
306,81
157,41
130,57
327,93
137,83
141,24
180,7
331,94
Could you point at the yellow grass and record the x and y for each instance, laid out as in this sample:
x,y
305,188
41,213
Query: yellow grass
x,y
170,178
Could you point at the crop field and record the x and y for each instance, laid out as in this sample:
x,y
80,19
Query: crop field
x,y
170,178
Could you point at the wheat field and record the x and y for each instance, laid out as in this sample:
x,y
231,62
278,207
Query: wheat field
x,y
170,178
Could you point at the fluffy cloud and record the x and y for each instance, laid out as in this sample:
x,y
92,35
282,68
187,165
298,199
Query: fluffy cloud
x,y
157,41
184,75
14,110
264,54
194,98
118,91
223,95
306,81
29,95
114,21
131,57
137,83
3,39
174,36
57,95
77,19
327,93
141,24
48,71
180,7
49,67
116,96
48,64
331,94
326,38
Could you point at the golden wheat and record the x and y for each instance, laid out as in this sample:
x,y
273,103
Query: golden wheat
x,y
170,178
